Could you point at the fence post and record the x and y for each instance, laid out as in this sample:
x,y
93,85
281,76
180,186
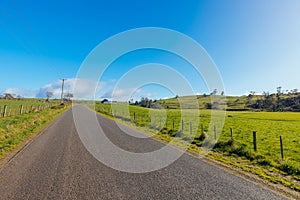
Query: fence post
x,y
4,111
254,141
173,126
182,126
191,128
215,132
134,116
281,149
21,109
231,134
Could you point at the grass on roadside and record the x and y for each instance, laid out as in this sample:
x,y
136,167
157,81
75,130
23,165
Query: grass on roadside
x,y
16,129
238,152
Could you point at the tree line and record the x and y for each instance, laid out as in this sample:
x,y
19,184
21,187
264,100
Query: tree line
x,y
282,100
279,101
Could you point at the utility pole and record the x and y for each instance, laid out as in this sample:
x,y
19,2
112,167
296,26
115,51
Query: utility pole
x,y
62,90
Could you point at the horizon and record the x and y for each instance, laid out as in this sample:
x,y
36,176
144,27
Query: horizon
x,y
58,97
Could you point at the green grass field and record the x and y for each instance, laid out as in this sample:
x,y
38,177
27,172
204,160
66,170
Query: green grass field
x,y
29,105
268,125
232,102
17,128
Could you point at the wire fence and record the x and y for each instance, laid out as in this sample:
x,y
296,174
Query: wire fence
x,y
9,110
194,128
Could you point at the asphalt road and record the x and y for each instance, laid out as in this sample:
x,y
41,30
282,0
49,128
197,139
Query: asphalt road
x,y
56,165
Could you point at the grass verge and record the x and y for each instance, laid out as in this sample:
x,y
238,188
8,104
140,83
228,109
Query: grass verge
x,y
17,129
229,152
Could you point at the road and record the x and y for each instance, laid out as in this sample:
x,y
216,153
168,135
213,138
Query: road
x,y
56,165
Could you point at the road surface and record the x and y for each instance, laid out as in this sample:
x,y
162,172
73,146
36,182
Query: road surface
x,y
56,165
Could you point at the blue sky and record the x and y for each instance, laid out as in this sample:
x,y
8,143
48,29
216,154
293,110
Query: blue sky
x,y
255,44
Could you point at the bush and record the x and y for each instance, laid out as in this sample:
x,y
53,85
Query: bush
x,y
202,136
242,151
290,168
164,130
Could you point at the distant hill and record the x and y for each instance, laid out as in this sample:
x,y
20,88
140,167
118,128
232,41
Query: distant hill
x,y
266,102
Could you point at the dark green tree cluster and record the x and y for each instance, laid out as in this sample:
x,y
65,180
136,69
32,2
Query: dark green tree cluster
x,y
279,101
144,102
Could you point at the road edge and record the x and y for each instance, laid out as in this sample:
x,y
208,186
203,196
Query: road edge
x,y
24,144
279,189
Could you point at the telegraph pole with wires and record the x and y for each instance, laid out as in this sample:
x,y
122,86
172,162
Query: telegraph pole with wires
x,y
62,89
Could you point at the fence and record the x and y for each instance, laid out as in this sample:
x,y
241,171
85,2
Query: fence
x,y
13,110
189,129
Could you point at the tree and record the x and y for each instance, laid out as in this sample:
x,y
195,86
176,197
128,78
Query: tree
x,y
249,98
69,95
144,102
104,101
294,91
208,105
214,92
8,96
49,95
279,92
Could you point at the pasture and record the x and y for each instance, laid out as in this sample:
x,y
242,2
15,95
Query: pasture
x,y
190,123
16,128
13,107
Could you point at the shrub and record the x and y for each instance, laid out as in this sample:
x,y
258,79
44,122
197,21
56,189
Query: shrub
x,y
290,168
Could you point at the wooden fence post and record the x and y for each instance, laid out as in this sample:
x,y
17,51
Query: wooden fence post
x,y
281,149
254,141
182,126
173,125
231,134
215,132
134,116
21,109
4,111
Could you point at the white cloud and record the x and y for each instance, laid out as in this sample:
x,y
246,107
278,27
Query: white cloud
x,y
84,89
121,94
21,92
87,89
81,88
